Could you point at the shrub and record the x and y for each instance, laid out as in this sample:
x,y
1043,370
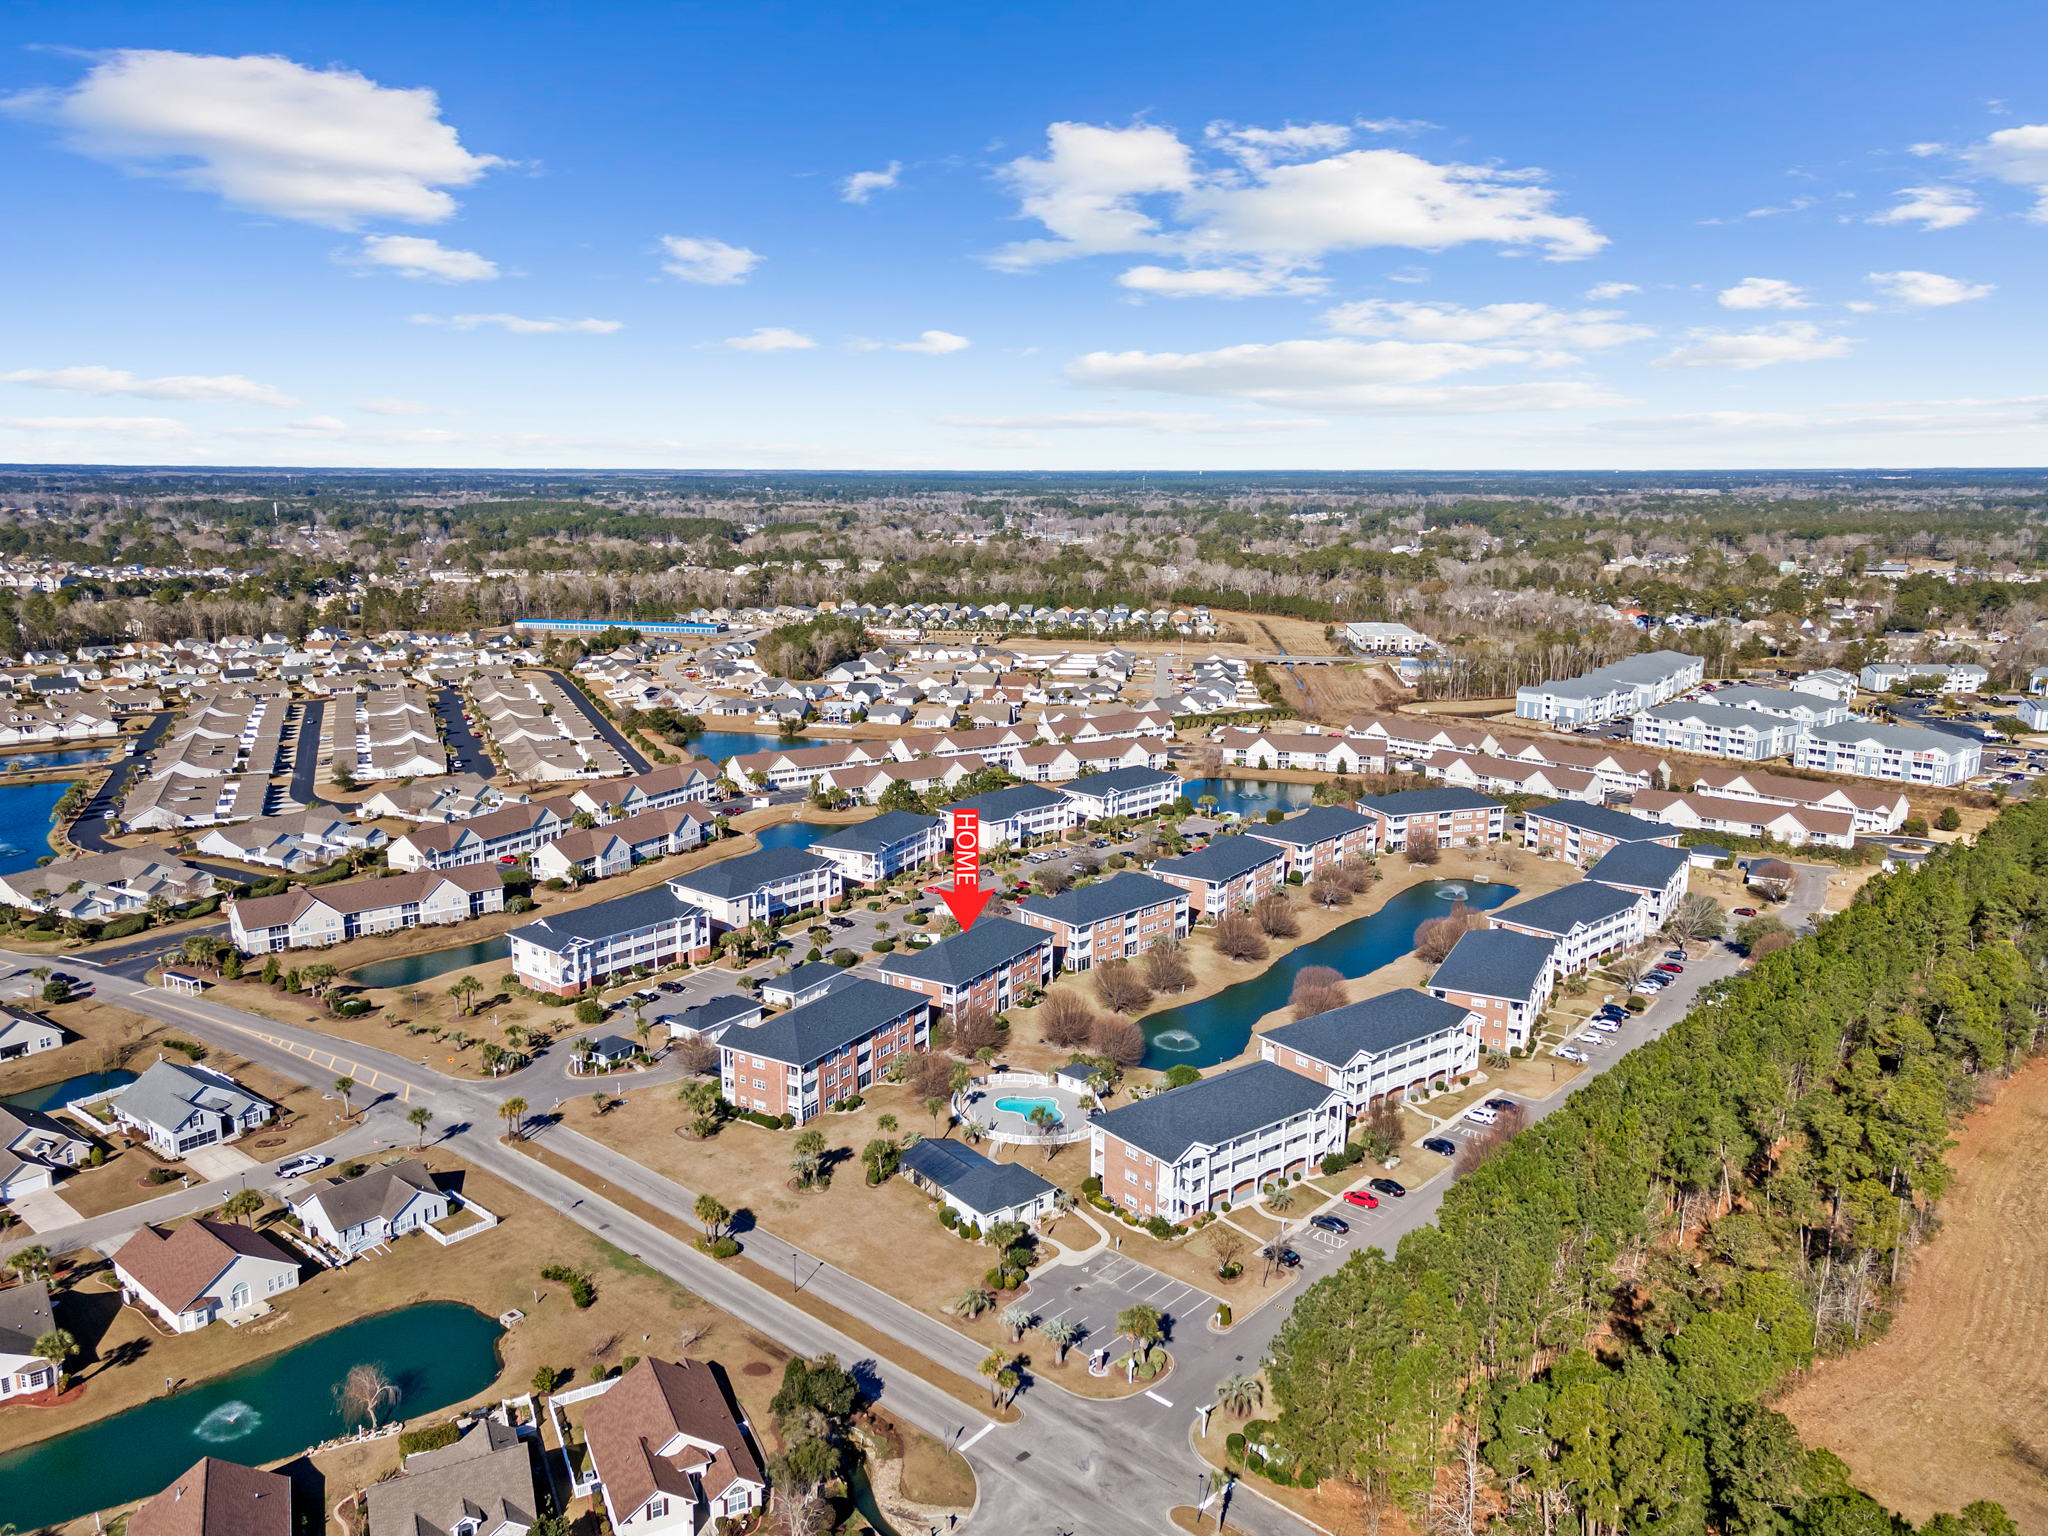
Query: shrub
x,y
948,1217
124,927
1092,1185
787,1122
352,1007
590,1011
723,1248
1223,1321
582,1290
844,958
431,1438
883,946
1159,1227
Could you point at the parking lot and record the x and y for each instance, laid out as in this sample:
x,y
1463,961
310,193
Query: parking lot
x,y
1093,1292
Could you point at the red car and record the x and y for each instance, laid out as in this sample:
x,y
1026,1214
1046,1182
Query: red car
x,y
1672,968
1360,1197
1745,911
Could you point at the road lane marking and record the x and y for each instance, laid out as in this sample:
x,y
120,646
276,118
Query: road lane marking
x,y
968,1444
1158,1399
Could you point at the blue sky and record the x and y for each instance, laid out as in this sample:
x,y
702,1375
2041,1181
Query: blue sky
x,y
1186,236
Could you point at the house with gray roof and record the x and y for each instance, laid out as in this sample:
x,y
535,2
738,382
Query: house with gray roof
x,y
25,1316
982,1191
1583,922
708,1020
986,968
378,1205
1187,1150
482,1485
34,1149
1113,919
1504,978
870,852
178,1109
1386,1046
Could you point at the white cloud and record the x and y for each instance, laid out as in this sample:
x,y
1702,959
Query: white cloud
x,y
862,185
2019,156
1380,376
1530,323
931,343
1256,203
1928,290
392,405
1793,341
1933,207
323,146
1961,418
1764,293
521,325
1612,290
697,259
229,387
1216,282
418,257
1171,423
1395,125
771,338
143,428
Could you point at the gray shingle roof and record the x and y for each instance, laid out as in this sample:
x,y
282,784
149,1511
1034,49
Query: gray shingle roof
x,y
1373,1027
1215,1110
560,931
1901,738
1002,804
1127,892
991,943
1492,962
1317,824
1644,865
730,878
1116,780
884,831
167,1094
1603,821
382,1191
1429,802
815,1030
1224,859
1560,910
984,1187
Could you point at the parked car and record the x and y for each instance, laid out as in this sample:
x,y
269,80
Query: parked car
x,y
304,1163
1591,1037
1501,1104
1442,1146
1745,911
1479,1114
1360,1198
1287,1258
1328,1223
1388,1187
1674,954
1571,1055
1672,968
1605,1026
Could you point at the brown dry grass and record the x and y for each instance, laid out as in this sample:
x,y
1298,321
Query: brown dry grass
x,y
1947,1407
107,1037
637,1312
1340,695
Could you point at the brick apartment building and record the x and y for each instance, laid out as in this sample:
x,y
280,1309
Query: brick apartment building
x,y
1581,834
806,1060
990,967
1113,919
1454,817
1583,922
1388,1045
1502,977
1229,874
1320,838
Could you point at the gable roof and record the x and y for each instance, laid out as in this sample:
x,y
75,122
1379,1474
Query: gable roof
x,y
627,1425
976,1182
1372,1027
486,1476
166,1095
1317,824
1117,780
24,1317
218,1498
382,1191
1429,802
558,931
1602,821
1495,962
176,1269
1224,858
1215,1110
1002,804
991,943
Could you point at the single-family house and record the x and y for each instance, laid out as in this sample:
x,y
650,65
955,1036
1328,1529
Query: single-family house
x,y
219,1498
669,1452
482,1485
982,1191
25,1317
202,1271
178,1109
372,1209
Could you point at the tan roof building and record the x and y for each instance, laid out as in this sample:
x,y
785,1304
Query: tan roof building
x,y
218,1498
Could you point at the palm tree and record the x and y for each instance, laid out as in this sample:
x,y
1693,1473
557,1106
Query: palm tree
x,y
1144,1323
243,1202
1063,1201
971,1302
1281,1200
31,1263
1240,1396
57,1346
1063,1332
808,1157
995,1367
464,990
344,1086
713,1214
1017,1318
513,1113
419,1117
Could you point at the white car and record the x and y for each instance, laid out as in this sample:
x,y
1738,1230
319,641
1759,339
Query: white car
x,y
1592,1037
304,1163
1479,1114
1571,1055
1605,1026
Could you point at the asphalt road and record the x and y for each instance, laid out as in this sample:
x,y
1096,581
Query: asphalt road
x,y
89,831
466,752
611,733
305,780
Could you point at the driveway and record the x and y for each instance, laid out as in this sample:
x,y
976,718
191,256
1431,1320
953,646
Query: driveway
x,y
43,1211
89,831
466,752
212,1163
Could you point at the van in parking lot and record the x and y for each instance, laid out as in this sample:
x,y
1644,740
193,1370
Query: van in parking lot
x,y
1479,1114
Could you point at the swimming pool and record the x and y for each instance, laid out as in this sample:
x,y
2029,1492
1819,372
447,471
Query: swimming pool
x,y
1023,1107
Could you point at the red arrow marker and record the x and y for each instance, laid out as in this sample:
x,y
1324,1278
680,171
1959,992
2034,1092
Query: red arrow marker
x,y
966,899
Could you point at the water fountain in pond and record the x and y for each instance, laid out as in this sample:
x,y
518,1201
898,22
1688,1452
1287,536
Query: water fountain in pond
x,y
1176,1040
230,1421
1451,890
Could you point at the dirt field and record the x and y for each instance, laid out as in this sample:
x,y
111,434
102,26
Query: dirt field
x,y
1339,695
1948,1406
